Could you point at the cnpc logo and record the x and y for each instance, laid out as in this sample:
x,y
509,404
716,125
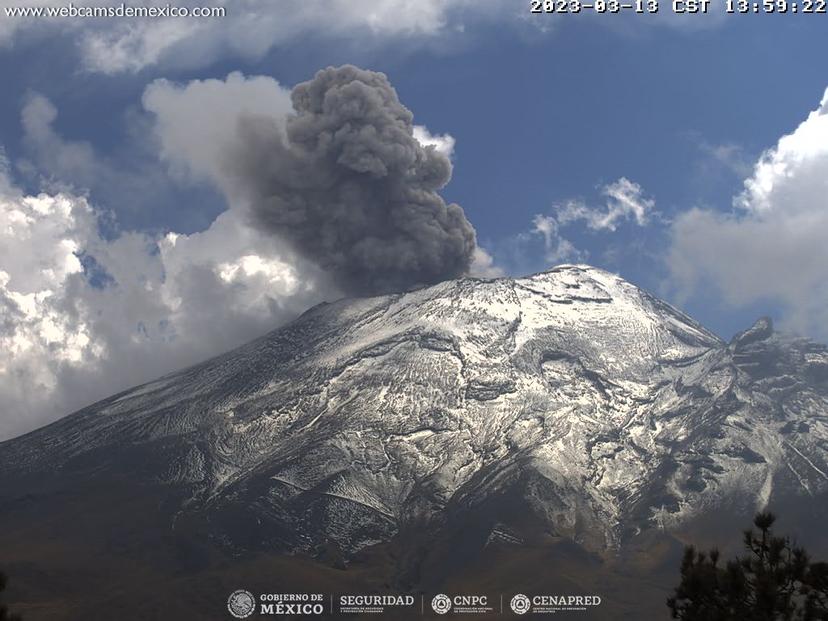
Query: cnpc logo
x,y
441,604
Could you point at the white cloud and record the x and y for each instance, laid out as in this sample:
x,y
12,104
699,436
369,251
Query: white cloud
x,y
196,123
248,30
6,188
483,265
773,245
728,156
83,317
73,160
251,30
557,248
444,143
129,178
624,201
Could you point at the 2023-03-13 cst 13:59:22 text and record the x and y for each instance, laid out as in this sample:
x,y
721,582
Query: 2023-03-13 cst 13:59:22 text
x,y
731,7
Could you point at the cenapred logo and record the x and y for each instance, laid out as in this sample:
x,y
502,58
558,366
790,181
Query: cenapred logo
x,y
441,604
241,604
520,604
553,604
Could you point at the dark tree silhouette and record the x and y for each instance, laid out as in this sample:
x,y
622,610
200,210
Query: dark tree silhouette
x,y
776,581
5,615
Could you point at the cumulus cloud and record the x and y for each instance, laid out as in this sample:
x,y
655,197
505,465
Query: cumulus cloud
x,y
70,160
197,123
443,143
82,317
247,30
483,265
129,179
772,246
6,188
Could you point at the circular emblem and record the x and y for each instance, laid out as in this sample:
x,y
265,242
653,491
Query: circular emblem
x,y
441,604
520,604
241,604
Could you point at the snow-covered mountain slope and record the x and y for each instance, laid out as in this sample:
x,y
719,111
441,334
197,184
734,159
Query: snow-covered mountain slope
x,y
589,404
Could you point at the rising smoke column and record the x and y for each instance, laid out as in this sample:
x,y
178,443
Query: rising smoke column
x,y
349,187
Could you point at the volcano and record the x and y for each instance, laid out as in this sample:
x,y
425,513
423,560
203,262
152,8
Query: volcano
x,y
564,431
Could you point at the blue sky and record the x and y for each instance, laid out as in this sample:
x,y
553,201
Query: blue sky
x,y
540,116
